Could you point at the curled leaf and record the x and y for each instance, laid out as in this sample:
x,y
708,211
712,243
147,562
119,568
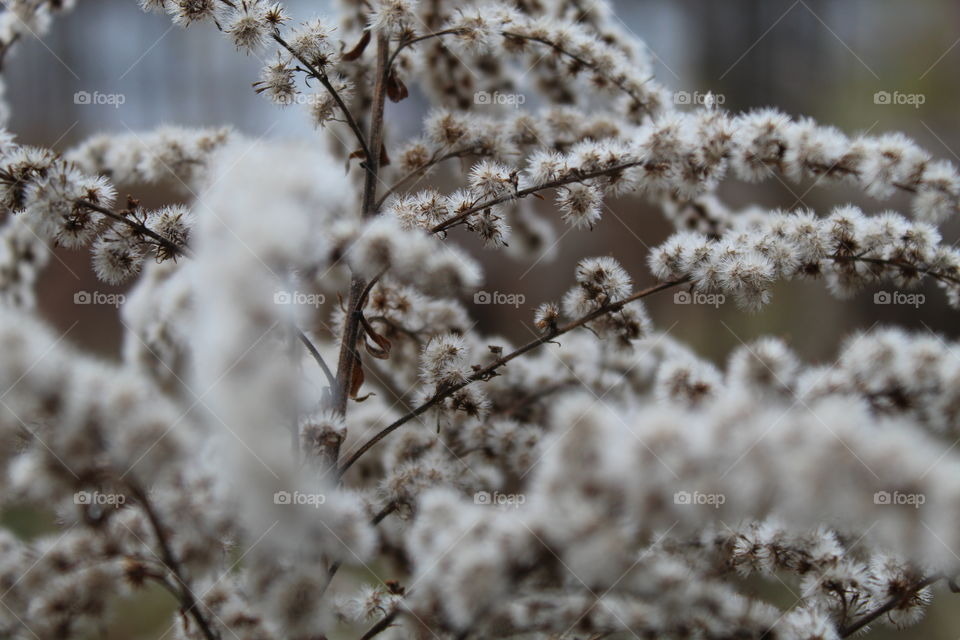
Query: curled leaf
x,y
396,90
381,350
358,48
356,380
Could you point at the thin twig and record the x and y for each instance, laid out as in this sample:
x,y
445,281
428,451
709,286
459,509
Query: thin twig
x,y
428,36
331,380
434,161
133,224
889,605
377,519
487,372
385,622
903,266
573,176
617,82
367,289
188,601
325,81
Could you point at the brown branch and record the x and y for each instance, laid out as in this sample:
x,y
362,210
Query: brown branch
x,y
490,370
349,357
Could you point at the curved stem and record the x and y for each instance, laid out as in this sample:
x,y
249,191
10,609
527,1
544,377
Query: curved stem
x,y
188,601
331,380
409,43
325,81
377,519
578,59
434,161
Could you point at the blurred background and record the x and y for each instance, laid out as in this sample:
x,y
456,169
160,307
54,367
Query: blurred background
x,y
822,58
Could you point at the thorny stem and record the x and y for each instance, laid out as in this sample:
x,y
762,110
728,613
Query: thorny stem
x,y
325,81
889,605
174,248
188,601
490,370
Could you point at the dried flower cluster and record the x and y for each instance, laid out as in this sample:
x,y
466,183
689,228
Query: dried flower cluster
x,y
306,437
